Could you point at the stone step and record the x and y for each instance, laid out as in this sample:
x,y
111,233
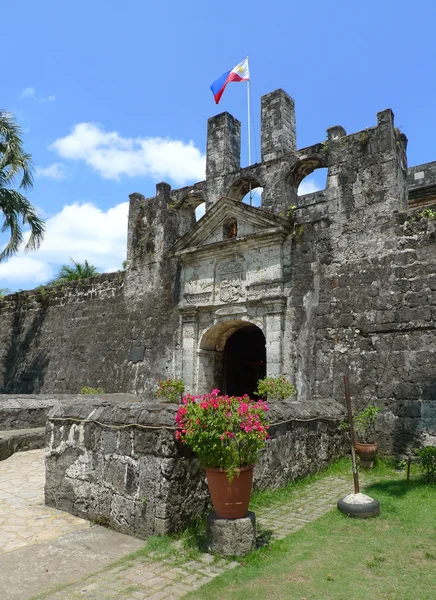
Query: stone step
x,y
16,440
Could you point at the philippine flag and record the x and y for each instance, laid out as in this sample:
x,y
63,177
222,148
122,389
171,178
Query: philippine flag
x,y
238,73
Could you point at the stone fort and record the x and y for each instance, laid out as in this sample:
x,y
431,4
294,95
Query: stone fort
x,y
339,281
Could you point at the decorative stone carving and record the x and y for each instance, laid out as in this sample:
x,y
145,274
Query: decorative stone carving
x,y
201,298
265,288
228,278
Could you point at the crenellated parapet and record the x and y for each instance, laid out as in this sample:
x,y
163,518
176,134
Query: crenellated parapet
x,y
367,175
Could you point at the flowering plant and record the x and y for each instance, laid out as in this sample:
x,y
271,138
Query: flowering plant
x,y
226,432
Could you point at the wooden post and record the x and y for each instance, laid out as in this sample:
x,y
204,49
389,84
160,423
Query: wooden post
x,y
352,436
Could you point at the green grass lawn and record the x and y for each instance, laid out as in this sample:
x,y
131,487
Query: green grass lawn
x,y
391,557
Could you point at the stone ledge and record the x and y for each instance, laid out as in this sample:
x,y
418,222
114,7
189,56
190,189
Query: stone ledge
x,y
128,408
17,440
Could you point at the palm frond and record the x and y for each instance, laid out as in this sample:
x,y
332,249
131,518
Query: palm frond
x,y
74,272
14,162
15,207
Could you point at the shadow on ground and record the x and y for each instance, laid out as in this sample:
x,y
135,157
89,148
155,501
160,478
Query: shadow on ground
x,y
396,489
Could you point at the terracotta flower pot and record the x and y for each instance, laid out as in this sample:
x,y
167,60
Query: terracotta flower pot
x,y
366,454
230,500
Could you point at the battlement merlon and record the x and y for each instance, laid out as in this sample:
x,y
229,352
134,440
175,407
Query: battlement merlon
x,y
277,125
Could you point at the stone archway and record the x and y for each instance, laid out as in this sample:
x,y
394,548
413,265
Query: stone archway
x,y
231,357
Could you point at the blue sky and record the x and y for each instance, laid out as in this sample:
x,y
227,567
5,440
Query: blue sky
x,y
114,97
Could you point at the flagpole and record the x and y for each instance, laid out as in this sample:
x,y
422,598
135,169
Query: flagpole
x,y
249,129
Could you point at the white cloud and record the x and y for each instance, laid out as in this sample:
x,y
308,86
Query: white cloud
x,y
112,155
23,271
308,186
47,99
83,231
79,231
55,171
29,92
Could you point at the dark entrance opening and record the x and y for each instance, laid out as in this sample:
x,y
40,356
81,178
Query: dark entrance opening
x,y
244,361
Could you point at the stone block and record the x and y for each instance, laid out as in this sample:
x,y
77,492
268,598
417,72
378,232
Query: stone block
x,y
162,526
223,153
231,537
145,441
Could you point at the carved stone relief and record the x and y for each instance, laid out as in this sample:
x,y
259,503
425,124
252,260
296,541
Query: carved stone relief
x,y
228,279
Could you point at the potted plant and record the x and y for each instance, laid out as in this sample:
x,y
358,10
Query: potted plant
x,y
275,388
170,390
227,433
364,425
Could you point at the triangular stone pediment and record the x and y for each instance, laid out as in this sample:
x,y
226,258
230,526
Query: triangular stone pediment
x,y
228,218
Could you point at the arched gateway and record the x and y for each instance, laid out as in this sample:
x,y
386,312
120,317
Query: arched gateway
x,y
232,298
232,358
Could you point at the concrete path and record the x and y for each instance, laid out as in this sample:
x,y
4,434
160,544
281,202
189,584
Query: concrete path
x,y
53,555
41,547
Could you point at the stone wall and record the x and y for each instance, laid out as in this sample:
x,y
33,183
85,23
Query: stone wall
x,y
87,333
376,320
58,339
119,464
24,411
354,290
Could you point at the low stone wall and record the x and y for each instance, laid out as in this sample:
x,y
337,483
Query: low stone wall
x,y
24,411
20,440
27,411
119,464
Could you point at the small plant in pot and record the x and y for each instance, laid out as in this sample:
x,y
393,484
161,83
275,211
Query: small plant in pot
x,y
364,425
275,388
170,390
227,433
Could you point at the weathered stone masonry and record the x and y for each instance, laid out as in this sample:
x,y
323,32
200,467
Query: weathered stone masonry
x,y
343,283
116,461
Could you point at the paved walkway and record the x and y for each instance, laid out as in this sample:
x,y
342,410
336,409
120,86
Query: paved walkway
x,y
28,528
24,519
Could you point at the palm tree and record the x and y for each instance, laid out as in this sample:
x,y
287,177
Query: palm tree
x,y
74,272
15,163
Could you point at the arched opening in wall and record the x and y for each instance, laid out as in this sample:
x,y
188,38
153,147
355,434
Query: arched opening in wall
x,y
244,361
255,195
308,175
317,180
243,188
200,210
232,358
190,209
